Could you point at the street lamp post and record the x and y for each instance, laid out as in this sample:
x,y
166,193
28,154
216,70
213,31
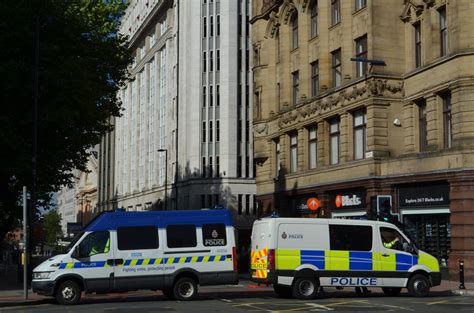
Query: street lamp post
x,y
166,176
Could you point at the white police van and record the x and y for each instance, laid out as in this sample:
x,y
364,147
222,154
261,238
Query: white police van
x,y
297,255
171,251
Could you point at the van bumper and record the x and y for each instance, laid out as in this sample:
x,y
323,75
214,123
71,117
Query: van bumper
x,y
45,288
271,278
435,279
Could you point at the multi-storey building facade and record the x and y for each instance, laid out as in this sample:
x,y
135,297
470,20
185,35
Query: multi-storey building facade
x,y
215,117
184,140
144,147
396,121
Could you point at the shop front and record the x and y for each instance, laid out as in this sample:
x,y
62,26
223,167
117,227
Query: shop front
x,y
424,210
348,204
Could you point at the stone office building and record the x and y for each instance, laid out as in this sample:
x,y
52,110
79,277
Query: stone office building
x,y
401,123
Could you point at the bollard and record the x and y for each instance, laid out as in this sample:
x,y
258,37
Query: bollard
x,y
461,275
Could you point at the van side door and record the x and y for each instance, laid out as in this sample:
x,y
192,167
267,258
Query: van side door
x,y
395,261
350,258
138,258
92,261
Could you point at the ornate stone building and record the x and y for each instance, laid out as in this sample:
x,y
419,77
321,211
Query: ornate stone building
x,y
358,98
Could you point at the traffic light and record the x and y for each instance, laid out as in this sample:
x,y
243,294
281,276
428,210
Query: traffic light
x,y
384,206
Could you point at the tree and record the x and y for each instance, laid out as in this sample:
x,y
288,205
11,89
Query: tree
x,y
83,64
52,228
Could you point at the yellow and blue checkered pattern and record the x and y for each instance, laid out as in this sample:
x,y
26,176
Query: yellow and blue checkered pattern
x,y
352,260
150,261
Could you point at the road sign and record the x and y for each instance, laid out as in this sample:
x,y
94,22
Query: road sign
x,y
313,204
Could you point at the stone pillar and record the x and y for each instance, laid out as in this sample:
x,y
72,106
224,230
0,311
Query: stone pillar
x,y
344,138
435,142
409,122
302,149
462,226
322,136
462,98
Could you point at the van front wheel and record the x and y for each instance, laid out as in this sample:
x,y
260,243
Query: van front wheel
x,y
419,286
185,289
68,293
305,288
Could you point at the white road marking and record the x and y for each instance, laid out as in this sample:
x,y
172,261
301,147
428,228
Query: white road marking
x,y
319,307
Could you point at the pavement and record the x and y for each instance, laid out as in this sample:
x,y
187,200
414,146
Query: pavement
x,y
15,297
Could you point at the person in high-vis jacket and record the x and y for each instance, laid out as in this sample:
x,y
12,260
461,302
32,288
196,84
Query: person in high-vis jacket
x,y
390,244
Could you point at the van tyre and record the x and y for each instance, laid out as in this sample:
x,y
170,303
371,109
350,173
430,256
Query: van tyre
x,y
168,293
185,289
419,285
283,291
391,291
68,293
305,288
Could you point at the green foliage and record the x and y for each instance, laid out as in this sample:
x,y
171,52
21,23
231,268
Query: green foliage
x,y
52,228
82,65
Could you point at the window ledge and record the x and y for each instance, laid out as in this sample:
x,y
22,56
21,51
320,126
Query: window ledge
x,y
356,12
335,25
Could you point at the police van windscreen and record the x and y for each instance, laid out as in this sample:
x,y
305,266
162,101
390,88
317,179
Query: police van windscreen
x,y
74,241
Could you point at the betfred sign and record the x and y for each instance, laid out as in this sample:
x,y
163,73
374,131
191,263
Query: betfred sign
x,y
348,200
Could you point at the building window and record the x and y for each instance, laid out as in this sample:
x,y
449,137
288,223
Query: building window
x,y
211,96
210,132
335,12
211,61
417,27
204,63
422,125
361,52
313,146
360,134
203,167
334,140
204,96
314,78
277,157
359,4
204,27
296,87
218,170
448,134
443,31
218,96
203,131
212,26
218,25
239,204
277,39
218,60
218,131
293,152
314,19
336,68
294,33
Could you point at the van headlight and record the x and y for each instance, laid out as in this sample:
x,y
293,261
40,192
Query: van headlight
x,y
41,275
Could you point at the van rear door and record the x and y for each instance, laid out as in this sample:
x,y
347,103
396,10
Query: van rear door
x,y
259,249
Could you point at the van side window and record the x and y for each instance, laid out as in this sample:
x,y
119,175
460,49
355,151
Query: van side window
x,y
95,243
352,238
181,236
214,235
392,239
137,238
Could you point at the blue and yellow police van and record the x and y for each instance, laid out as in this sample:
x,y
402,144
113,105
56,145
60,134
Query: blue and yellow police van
x,y
171,251
298,255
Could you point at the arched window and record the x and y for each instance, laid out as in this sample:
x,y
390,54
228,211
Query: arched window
x,y
294,25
